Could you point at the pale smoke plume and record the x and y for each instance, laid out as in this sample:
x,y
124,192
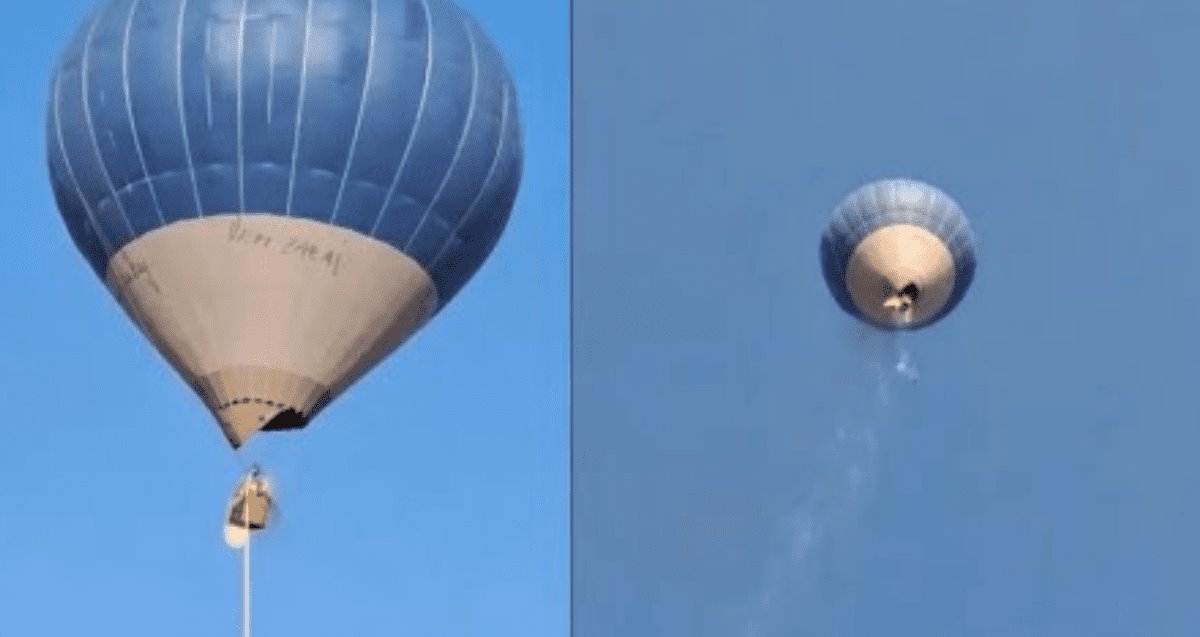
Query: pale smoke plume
x,y
845,467
894,360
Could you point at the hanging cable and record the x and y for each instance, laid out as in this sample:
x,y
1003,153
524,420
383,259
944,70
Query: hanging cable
x,y
246,567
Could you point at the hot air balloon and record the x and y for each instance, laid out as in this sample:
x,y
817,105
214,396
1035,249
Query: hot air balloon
x,y
898,254
281,192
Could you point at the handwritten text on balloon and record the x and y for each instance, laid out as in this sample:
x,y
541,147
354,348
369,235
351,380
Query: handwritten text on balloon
x,y
305,249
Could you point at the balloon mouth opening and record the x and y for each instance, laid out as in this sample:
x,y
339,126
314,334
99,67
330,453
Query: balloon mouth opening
x,y
902,303
285,420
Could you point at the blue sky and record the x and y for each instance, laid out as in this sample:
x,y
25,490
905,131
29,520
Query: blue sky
x,y
1039,479
738,470
430,499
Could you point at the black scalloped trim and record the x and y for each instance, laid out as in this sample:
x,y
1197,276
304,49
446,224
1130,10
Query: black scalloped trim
x,y
257,401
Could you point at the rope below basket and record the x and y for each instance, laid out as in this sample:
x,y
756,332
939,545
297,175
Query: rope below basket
x,y
246,572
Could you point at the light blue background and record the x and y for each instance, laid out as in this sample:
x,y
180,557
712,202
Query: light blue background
x,y
1039,479
431,499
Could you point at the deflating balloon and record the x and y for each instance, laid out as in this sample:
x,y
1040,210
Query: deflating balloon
x,y
281,192
898,254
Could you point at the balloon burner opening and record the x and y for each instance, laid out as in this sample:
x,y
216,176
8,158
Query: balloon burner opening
x,y
901,303
285,420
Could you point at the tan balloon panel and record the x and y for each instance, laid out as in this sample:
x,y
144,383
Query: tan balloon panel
x,y
890,259
269,317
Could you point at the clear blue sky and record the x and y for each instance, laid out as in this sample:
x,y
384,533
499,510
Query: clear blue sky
x,y
431,499
1040,479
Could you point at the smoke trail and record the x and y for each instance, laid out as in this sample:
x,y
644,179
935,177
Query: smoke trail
x,y
803,534
850,459
903,356
893,359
